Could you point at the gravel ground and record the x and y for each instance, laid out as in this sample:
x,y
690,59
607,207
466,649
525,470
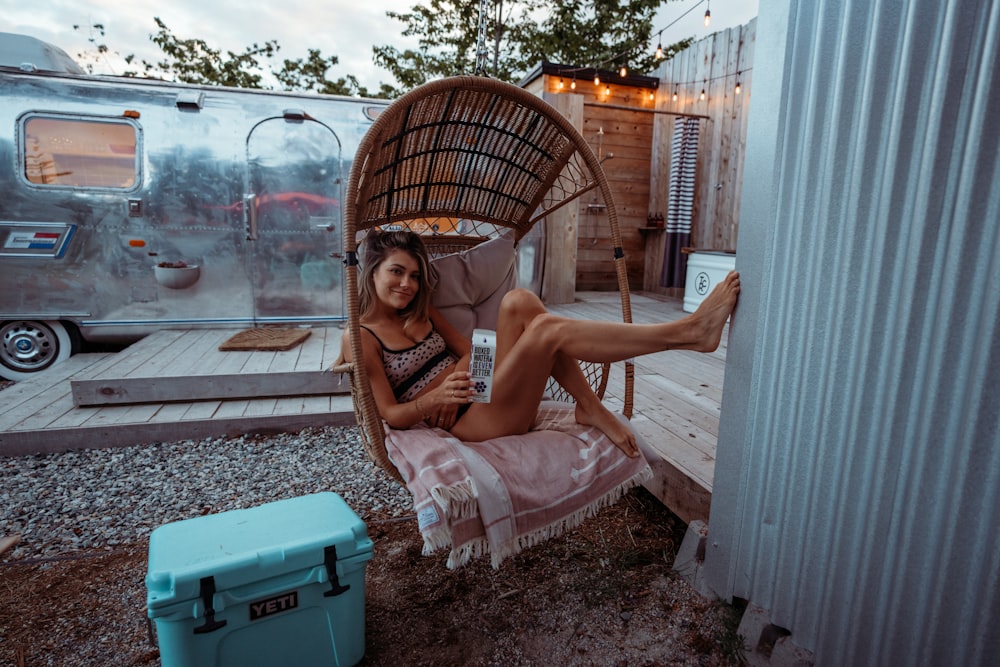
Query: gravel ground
x,y
102,498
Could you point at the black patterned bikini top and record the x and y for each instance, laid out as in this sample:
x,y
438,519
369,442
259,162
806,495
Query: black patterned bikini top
x,y
412,369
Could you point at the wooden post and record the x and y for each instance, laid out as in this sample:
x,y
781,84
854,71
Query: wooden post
x,y
562,226
653,259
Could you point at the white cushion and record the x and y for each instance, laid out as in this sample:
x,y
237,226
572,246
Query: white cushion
x,y
469,285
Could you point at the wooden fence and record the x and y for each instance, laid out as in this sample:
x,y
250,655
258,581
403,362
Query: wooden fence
x,y
633,119
714,65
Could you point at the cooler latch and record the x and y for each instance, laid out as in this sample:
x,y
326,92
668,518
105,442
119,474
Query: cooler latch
x,y
330,561
206,591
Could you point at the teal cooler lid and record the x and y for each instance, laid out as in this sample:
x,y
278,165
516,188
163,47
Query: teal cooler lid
x,y
241,547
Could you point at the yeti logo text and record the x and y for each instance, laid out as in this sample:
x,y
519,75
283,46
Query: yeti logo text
x,y
274,605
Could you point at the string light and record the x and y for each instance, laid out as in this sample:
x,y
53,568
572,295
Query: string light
x,y
659,55
670,53
674,95
738,87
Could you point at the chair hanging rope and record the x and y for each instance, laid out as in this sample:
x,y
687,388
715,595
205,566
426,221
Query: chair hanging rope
x,y
481,52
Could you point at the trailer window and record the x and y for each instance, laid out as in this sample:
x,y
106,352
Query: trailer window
x,y
80,153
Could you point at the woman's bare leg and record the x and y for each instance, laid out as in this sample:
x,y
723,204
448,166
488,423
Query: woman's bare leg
x,y
589,408
520,407
601,342
519,310
533,344
516,395
597,341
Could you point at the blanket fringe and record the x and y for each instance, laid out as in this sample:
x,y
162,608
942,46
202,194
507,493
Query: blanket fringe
x,y
459,500
461,556
557,528
436,538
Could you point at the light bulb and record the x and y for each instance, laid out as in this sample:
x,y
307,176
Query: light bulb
x,y
739,88
702,94
675,94
572,84
607,90
708,17
652,96
560,86
659,51
597,80
623,72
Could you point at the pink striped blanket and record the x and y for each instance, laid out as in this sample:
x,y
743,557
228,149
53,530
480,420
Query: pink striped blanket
x,y
510,493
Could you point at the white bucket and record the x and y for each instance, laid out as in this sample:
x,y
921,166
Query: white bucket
x,y
705,270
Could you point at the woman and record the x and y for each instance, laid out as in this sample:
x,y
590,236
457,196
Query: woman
x,y
418,363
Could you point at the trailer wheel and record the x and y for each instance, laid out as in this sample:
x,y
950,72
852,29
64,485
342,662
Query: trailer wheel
x,y
27,347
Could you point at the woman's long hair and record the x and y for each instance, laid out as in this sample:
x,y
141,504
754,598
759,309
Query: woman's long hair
x,y
376,247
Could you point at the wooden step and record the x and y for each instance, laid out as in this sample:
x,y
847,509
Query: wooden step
x,y
172,366
124,426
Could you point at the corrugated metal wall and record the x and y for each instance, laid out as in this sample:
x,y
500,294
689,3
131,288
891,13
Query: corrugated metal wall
x,y
857,488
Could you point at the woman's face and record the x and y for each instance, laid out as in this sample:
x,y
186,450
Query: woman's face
x,y
397,279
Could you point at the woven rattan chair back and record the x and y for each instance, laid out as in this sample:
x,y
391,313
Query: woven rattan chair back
x,y
456,160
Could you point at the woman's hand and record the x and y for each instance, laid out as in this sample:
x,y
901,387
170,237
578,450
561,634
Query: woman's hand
x,y
455,391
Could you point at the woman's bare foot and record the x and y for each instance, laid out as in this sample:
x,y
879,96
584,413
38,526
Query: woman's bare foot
x,y
603,419
711,315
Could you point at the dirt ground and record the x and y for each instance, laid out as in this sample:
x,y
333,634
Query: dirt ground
x,y
604,594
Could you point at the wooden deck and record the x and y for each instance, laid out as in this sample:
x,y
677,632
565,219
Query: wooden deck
x,y
176,385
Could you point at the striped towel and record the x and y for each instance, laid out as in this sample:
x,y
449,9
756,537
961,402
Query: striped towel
x,y
506,494
683,166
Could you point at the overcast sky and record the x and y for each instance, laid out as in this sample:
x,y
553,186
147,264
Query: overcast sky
x,y
347,29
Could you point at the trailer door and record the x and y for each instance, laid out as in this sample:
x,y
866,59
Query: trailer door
x,y
293,220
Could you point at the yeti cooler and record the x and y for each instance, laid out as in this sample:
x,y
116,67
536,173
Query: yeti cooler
x,y
278,584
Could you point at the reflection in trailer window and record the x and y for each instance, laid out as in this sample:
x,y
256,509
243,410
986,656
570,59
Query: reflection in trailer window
x,y
79,152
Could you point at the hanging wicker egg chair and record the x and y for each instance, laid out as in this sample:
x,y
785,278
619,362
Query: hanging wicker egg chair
x,y
458,160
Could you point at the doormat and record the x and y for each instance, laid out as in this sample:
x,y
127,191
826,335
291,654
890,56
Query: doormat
x,y
265,340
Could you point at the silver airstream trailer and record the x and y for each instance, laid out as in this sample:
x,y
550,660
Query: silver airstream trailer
x,y
131,205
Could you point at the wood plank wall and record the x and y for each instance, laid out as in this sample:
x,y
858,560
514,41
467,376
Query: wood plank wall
x,y
623,120
618,125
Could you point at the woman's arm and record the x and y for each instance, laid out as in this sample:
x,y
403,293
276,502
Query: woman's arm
x,y
444,412
397,415
456,342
